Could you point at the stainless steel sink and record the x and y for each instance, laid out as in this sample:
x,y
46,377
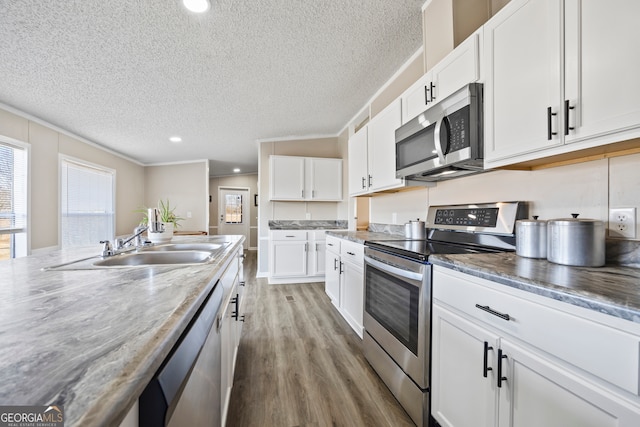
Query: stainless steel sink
x,y
167,254
166,257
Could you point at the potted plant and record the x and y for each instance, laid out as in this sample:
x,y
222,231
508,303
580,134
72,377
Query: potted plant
x,y
168,218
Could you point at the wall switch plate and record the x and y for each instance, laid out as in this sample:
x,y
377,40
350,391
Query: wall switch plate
x,y
307,215
622,223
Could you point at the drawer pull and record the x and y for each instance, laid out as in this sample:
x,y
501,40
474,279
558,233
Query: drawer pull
x,y
351,253
500,377
495,313
486,368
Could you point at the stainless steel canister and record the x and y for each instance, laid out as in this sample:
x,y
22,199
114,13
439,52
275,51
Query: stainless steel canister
x,y
531,238
418,230
576,241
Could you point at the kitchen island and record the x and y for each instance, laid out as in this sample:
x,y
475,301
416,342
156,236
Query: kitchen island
x,y
92,339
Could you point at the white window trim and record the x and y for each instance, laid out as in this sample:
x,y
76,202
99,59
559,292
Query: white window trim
x,y
82,162
27,147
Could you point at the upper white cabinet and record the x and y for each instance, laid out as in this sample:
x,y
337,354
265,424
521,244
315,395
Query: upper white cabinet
x,y
372,153
458,68
305,178
559,78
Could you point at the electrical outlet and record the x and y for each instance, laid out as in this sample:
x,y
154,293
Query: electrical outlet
x,y
622,223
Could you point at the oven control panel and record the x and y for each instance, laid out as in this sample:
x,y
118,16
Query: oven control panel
x,y
476,217
494,218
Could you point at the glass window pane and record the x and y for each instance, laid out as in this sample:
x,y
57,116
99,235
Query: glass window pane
x,y
13,199
233,209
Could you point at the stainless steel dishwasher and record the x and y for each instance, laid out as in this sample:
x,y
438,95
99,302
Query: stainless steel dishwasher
x,y
186,389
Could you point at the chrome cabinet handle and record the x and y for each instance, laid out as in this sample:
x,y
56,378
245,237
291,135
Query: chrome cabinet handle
x,y
491,311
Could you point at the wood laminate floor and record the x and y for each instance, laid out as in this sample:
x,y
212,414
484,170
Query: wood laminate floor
x,y
300,364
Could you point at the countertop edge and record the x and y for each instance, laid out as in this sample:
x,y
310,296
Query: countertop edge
x,y
119,397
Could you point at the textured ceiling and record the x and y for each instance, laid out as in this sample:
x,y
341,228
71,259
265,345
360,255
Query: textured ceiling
x,y
129,74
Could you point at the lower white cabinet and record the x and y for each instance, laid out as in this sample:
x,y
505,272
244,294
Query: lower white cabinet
x,y
296,256
507,359
344,280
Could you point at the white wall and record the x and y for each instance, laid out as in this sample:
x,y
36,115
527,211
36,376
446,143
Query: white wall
x,y
46,143
187,188
588,188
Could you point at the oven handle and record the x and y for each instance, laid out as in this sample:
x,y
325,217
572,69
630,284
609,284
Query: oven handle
x,y
394,270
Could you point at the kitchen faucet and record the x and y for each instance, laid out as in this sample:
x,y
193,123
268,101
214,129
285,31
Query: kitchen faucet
x,y
122,244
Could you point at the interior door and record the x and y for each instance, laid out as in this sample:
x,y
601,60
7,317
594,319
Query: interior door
x,y
233,211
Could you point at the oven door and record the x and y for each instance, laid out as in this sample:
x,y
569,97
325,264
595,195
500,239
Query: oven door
x,y
398,310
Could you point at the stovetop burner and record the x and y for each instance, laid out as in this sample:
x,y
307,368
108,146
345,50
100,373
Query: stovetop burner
x,y
462,229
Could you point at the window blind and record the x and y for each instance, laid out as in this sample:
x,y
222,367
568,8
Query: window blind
x,y
87,207
13,189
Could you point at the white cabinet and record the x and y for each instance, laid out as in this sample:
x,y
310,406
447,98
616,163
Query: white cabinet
x,y
460,67
333,269
305,178
503,357
372,153
316,252
288,253
296,256
559,79
352,285
230,330
344,280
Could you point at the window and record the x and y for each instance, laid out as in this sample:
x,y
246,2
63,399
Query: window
x,y
87,203
13,200
233,209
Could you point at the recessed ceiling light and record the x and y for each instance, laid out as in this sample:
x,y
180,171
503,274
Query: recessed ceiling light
x,y
175,139
196,6
236,170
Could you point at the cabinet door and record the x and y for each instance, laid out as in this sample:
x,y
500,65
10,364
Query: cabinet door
x,y
286,178
332,277
352,295
538,392
317,255
228,349
461,396
602,66
416,99
522,47
288,258
456,70
324,178
358,172
382,148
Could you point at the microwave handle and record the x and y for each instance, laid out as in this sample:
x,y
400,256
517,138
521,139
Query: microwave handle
x,y
436,139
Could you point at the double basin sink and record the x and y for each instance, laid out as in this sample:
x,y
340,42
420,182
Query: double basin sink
x,y
166,254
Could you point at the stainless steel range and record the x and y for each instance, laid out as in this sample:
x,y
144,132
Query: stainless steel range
x,y
397,317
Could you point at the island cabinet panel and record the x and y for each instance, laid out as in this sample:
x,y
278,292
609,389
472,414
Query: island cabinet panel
x,y
543,361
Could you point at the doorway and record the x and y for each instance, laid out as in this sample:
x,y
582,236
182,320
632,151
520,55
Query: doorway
x,y
233,211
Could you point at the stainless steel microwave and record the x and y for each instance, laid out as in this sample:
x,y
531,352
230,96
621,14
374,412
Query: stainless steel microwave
x,y
445,141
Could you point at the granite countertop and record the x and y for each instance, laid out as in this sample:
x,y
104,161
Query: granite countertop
x,y
364,236
612,289
308,224
92,339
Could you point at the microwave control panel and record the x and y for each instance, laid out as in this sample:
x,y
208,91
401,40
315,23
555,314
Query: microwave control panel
x,y
458,129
